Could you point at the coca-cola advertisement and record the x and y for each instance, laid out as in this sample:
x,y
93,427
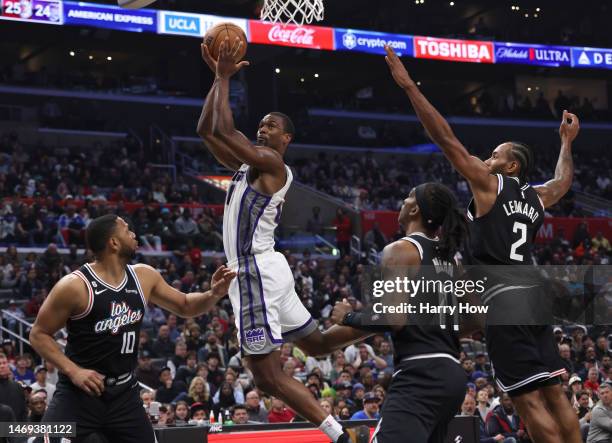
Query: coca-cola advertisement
x,y
313,37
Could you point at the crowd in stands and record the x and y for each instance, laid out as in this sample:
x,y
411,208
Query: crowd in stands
x,y
367,183
195,371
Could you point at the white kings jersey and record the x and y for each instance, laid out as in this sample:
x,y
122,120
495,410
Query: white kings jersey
x,y
250,217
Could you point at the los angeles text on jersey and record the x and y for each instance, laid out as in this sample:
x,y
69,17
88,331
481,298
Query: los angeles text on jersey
x,y
121,315
519,207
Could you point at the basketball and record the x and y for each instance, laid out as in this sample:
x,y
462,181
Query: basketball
x,y
219,33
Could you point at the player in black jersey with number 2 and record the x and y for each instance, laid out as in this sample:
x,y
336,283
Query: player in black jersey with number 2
x,y
102,305
428,385
505,214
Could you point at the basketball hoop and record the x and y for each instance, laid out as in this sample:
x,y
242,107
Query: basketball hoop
x,y
292,11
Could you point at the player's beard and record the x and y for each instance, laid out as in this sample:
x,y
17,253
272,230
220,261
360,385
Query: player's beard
x,y
127,253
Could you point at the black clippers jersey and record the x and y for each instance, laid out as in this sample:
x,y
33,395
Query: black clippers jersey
x,y
505,234
105,336
419,340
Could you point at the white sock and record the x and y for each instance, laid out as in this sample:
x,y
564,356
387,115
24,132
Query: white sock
x,y
331,428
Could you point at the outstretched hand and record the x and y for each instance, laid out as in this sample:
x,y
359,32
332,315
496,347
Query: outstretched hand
x,y
570,125
226,65
221,280
398,70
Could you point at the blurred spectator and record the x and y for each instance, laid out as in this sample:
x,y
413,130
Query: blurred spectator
x,y
370,408
168,389
198,393
240,415
181,412
145,373
197,411
601,417
505,421
15,314
37,405
22,372
344,231
11,392
40,373
163,346
255,409
279,413
225,397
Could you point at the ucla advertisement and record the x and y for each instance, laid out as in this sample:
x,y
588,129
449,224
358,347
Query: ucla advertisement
x,y
193,25
111,17
372,42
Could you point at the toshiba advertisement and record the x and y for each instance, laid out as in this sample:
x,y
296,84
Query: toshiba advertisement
x,y
453,50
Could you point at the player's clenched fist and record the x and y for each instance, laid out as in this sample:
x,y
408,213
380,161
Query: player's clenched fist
x,y
340,310
89,381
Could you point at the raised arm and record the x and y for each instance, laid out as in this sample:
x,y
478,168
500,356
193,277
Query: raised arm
x,y
57,308
262,158
472,168
218,148
184,305
553,190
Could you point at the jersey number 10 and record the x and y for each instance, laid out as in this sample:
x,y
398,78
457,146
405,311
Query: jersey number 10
x,y
129,340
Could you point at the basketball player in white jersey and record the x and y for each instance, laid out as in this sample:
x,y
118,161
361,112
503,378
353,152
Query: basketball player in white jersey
x,y
268,310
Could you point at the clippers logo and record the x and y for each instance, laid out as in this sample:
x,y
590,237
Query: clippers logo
x,y
313,37
255,339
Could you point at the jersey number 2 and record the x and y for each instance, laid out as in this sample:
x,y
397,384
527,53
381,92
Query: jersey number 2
x,y
523,228
129,340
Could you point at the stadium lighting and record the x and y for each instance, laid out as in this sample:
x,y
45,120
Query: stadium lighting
x,y
277,70
316,75
91,57
526,15
452,3
109,58
529,88
302,80
71,53
537,9
418,83
535,15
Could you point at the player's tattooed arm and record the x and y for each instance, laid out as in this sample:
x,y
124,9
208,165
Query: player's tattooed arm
x,y
220,150
469,166
553,190
175,301
57,308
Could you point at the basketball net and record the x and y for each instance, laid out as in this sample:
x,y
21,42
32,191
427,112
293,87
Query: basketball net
x,y
292,11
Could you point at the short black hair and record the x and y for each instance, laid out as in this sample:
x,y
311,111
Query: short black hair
x,y
238,406
522,154
99,231
288,125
